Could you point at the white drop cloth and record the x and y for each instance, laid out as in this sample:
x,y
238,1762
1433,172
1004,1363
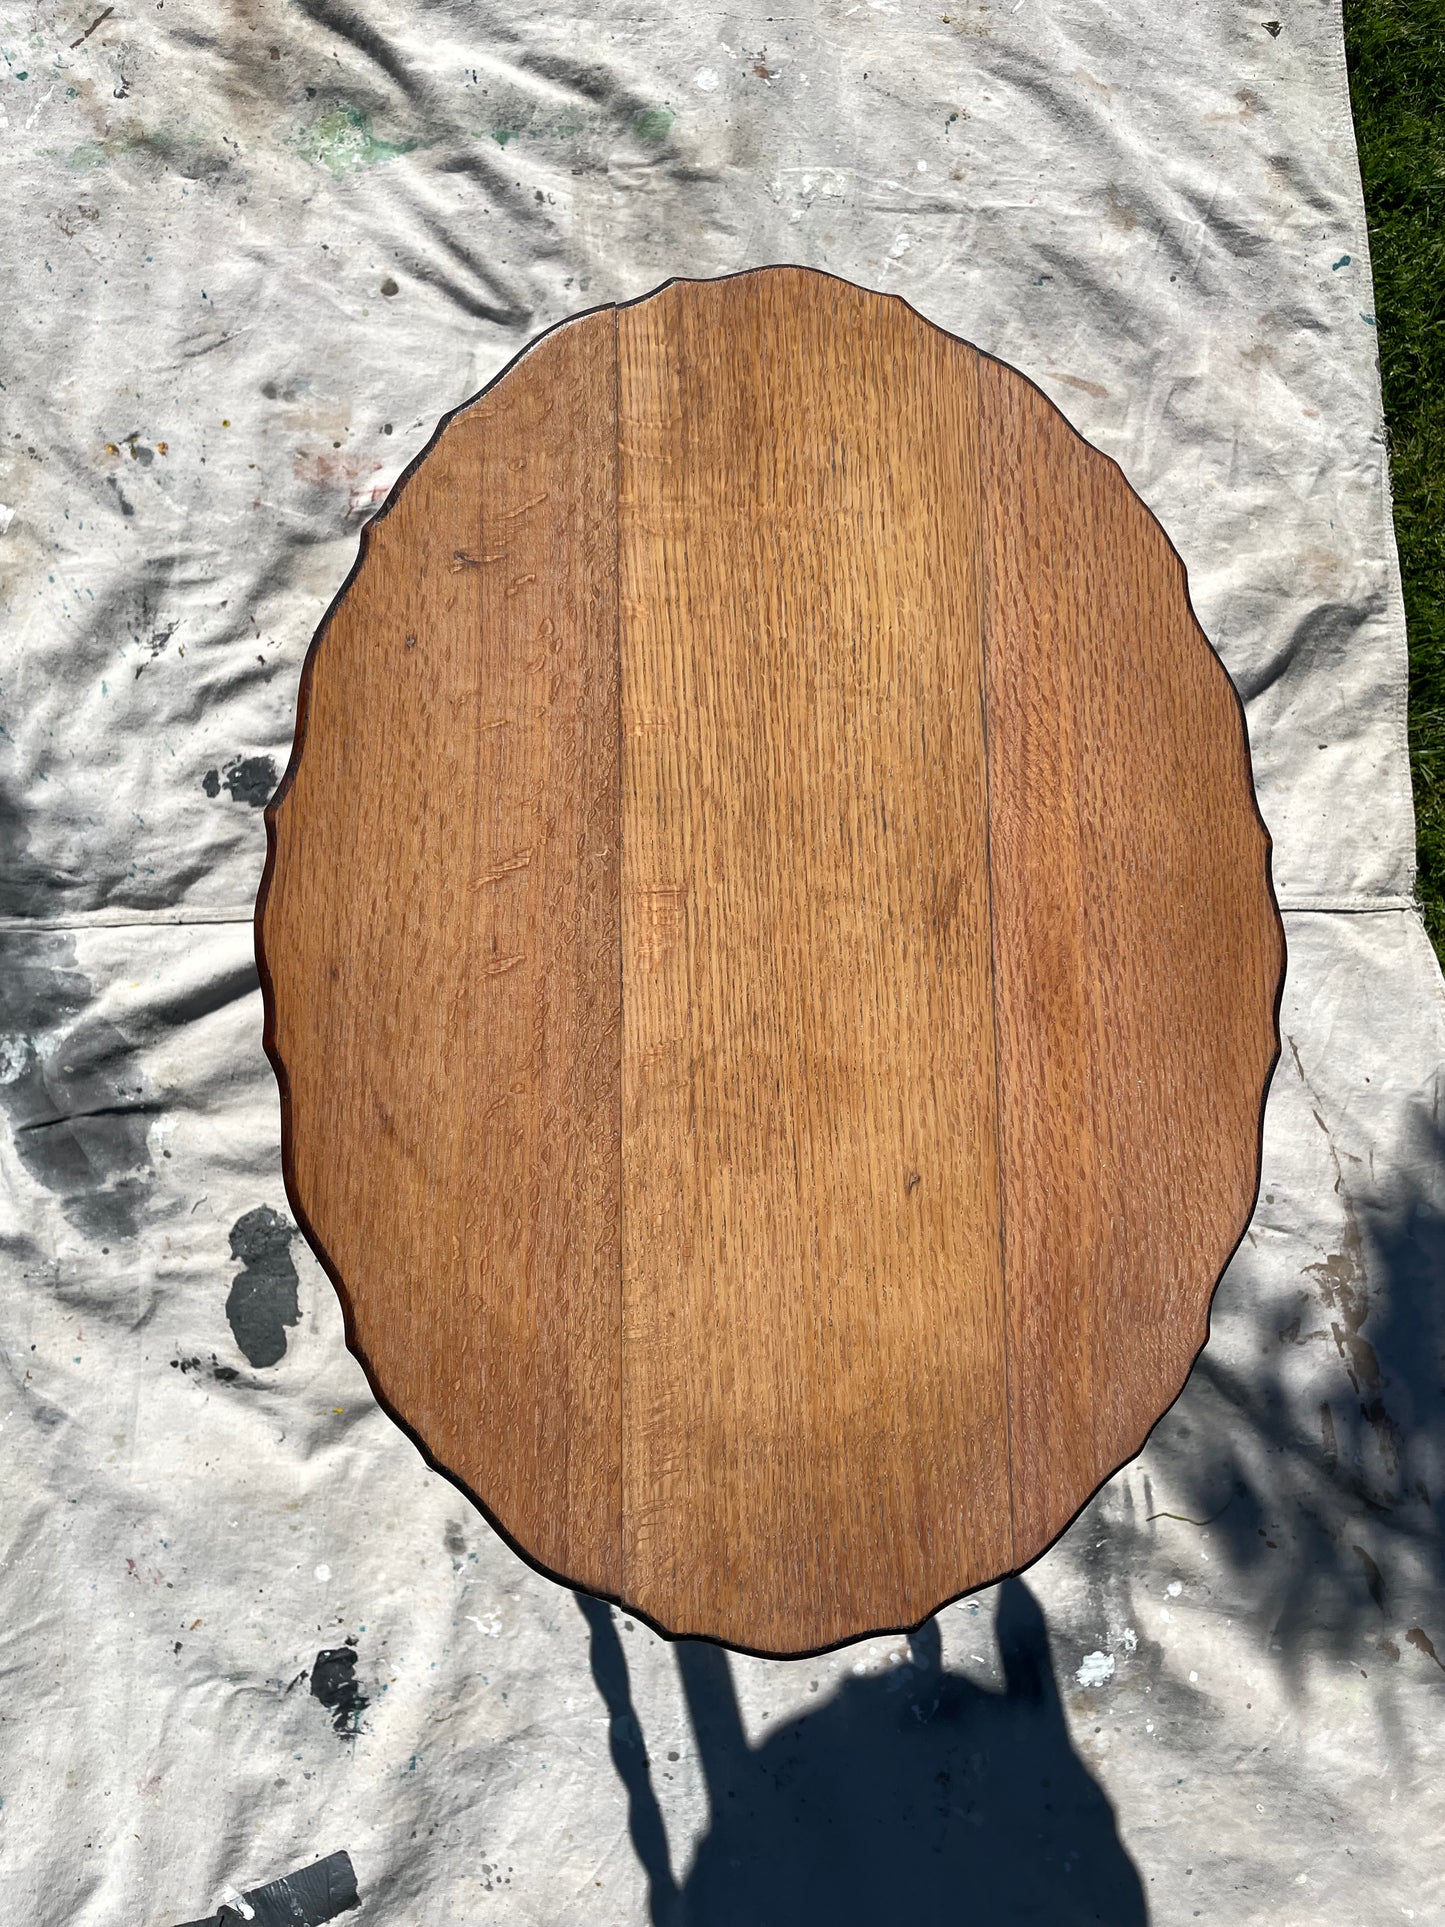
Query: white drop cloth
x,y
251,253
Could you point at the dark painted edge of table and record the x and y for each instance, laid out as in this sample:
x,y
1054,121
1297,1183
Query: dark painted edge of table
x,y
268,1034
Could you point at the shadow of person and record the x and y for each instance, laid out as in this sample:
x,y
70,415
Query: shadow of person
x,y
910,1795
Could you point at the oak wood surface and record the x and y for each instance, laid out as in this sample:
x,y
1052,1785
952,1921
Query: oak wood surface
x,y
1136,952
812,1287
441,931
770,959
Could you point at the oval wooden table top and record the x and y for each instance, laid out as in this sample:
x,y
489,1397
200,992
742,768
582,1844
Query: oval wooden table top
x,y
770,961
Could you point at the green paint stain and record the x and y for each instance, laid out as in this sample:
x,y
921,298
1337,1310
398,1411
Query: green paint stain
x,y
503,135
1343,262
178,151
652,124
341,139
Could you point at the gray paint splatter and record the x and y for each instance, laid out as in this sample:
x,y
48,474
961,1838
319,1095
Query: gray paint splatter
x,y
262,1300
78,1102
28,887
305,1898
250,779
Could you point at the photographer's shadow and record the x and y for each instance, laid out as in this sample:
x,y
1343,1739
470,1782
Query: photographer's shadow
x,y
910,1795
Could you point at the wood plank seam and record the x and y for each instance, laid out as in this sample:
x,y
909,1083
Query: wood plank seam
x,y
621,972
984,566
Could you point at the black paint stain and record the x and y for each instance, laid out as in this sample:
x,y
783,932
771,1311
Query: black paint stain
x,y
333,1682
307,1898
81,39
226,1373
250,779
262,1300
494,1876
156,642
1374,1578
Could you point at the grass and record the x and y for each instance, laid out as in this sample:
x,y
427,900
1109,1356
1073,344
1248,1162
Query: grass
x,y
1396,52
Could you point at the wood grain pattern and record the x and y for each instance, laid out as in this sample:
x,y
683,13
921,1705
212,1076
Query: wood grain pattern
x,y
810,1162
771,962
441,931
1137,953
